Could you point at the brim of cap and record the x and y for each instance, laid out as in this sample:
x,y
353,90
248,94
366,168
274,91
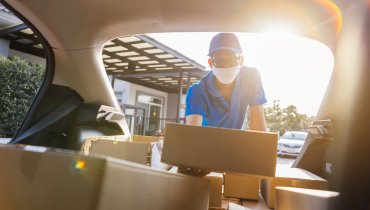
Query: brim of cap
x,y
232,49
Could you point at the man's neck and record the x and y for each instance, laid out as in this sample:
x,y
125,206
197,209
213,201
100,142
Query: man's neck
x,y
222,87
225,90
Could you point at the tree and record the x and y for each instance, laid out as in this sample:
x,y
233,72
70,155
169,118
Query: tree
x,y
280,119
19,82
274,116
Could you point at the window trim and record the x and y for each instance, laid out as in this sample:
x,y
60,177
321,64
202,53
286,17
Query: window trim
x,y
49,72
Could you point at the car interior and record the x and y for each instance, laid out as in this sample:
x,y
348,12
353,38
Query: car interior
x,y
76,88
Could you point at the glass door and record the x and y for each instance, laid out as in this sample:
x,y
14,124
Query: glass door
x,y
154,118
154,106
135,118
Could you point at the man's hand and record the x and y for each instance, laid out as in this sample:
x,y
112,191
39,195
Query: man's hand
x,y
194,119
192,172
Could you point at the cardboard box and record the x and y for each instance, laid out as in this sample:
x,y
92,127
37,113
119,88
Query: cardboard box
x,y
134,138
149,139
139,149
216,183
134,186
226,202
215,196
220,150
259,204
289,198
233,206
35,178
290,177
246,187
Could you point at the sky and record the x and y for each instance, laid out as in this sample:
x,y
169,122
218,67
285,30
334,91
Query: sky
x,y
294,70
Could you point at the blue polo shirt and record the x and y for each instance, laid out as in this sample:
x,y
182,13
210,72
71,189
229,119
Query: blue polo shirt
x,y
204,99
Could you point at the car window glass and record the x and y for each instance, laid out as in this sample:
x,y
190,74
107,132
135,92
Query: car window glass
x,y
22,71
294,136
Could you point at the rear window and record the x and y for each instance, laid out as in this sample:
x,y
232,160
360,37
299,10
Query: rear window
x,y
295,72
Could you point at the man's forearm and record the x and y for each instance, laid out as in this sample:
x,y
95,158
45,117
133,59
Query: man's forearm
x,y
258,126
258,122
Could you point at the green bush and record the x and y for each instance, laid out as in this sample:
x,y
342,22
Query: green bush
x,y
19,82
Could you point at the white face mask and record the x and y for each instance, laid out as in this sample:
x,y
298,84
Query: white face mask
x,y
226,75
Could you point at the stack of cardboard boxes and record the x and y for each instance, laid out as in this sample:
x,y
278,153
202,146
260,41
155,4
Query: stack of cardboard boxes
x,y
243,157
247,160
38,178
210,149
244,162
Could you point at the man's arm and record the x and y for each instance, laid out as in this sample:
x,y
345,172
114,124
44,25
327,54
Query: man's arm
x,y
194,119
258,122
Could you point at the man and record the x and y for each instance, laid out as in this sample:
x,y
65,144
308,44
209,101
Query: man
x,y
221,98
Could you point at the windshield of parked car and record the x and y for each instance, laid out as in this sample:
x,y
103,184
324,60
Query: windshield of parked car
x,y
295,136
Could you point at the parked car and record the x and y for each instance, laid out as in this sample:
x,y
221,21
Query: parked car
x,y
291,142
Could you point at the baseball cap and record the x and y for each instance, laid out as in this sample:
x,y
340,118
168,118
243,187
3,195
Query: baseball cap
x,y
225,41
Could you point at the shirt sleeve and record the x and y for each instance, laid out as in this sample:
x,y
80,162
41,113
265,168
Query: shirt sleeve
x,y
194,101
257,93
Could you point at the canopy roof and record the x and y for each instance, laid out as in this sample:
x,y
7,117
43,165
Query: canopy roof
x,y
142,60
137,59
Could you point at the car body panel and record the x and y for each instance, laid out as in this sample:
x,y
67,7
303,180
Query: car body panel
x,y
288,145
77,31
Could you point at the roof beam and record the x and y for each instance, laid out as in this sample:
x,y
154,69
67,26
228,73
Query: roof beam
x,y
169,51
27,49
143,53
31,37
159,73
13,29
147,84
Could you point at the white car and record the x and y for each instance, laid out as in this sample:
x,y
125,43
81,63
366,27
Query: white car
x,y
291,142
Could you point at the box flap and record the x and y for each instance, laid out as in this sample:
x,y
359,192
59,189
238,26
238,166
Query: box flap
x,y
137,152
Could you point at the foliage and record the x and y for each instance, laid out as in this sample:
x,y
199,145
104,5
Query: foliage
x,y
19,82
286,119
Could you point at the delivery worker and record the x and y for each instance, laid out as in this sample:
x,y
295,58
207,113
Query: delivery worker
x,y
221,98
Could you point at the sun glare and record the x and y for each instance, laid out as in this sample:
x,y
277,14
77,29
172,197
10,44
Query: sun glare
x,y
278,31
294,70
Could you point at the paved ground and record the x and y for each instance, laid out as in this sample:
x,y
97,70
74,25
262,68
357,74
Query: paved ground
x,y
286,160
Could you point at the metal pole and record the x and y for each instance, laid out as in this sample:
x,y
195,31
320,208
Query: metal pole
x,y
179,98
189,82
113,80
